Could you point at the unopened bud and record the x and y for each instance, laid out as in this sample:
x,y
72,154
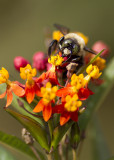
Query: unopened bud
x,y
39,61
20,62
99,46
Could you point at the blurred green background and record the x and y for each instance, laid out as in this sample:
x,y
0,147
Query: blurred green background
x,y
22,23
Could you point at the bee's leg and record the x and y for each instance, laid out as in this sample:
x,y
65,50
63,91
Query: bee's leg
x,y
52,47
77,59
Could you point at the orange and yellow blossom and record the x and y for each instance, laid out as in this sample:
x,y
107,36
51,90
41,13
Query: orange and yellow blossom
x,y
100,63
68,109
31,87
79,84
10,87
48,95
55,60
93,72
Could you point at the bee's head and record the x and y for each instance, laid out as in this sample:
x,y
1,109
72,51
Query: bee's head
x,y
68,46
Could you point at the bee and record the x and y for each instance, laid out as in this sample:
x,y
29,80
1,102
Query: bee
x,y
71,45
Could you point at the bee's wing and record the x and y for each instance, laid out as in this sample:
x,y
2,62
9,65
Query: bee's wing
x,y
64,30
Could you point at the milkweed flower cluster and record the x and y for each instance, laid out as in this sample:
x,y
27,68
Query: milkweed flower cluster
x,y
54,93
54,98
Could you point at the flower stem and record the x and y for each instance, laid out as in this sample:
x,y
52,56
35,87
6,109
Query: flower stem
x,y
35,152
49,157
60,150
74,154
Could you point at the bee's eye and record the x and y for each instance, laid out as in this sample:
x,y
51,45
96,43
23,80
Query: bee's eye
x,y
66,43
71,45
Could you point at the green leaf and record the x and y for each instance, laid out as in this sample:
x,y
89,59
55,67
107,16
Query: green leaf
x,y
92,60
5,154
16,143
100,94
59,132
33,127
20,109
99,146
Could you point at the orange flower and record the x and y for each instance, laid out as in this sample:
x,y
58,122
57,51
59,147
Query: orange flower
x,y
48,95
77,82
10,87
31,87
68,109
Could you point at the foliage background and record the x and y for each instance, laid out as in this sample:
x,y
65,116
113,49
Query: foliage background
x,y
21,33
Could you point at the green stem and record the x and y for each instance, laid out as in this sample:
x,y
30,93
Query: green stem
x,y
56,154
74,154
67,152
50,125
49,157
60,150
35,152
80,148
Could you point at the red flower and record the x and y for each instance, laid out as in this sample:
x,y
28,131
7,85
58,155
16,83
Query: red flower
x,y
84,93
65,115
68,109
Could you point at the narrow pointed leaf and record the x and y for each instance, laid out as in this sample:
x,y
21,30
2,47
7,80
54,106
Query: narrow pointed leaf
x,y
59,132
16,143
33,127
100,94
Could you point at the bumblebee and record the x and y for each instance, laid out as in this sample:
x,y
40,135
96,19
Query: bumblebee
x,y
71,45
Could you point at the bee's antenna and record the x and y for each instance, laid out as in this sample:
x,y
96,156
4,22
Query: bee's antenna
x,y
89,50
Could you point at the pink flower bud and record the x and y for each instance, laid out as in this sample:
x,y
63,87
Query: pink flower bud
x,y
39,61
38,55
99,46
20,62
48,66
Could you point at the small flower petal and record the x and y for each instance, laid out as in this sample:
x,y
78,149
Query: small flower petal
x,y
65,116
47,111
9,97
64,91
39,107
30,94
19,91
2,95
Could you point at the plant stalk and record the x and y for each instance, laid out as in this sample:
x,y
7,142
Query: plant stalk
x,y
35,152
74,154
